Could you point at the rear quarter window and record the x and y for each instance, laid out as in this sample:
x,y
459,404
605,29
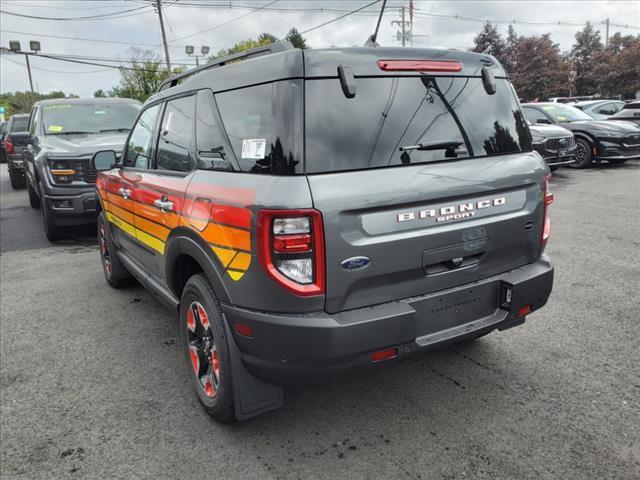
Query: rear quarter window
x,y
264,126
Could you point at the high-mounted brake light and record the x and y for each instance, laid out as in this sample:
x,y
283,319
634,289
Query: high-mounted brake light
x,y
548,199
420,65
291,249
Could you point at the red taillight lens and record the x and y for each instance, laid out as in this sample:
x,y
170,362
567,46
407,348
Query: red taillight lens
x,y
291,249
420,65
548,199
8,147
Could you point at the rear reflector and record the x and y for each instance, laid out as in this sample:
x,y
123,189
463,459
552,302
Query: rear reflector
x,y
420,65
243,329
524,310
292,243
384,354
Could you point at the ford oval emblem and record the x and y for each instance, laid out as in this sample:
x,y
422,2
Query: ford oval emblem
x,y
355,263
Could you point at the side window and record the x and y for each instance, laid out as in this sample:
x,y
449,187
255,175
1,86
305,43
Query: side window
x,y
210,141
140,143
263,124
607,109
174,145
33,121
533,115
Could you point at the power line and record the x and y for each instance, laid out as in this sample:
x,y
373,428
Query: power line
x,y
340,17
225,23
57,71
102,16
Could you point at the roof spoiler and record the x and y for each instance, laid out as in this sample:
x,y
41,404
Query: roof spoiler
x,y
275,47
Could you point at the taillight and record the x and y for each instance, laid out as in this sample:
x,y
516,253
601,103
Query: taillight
x,y
548,199
420,65
8,146
291,249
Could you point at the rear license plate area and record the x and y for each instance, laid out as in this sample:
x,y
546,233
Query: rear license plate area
x,y
455,308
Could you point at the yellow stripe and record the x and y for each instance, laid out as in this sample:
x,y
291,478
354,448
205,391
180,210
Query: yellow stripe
x,y
148,240
235,276
241,262
224,255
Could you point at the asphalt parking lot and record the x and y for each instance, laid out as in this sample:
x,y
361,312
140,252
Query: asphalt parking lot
x,y
92,382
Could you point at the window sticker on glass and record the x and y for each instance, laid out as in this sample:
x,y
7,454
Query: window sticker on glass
x,y
254,147
55,128
99,112
548,107
57,107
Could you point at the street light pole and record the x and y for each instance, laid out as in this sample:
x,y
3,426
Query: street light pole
x,y
190,50
26,57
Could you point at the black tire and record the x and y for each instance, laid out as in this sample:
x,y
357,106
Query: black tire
x,y
617,161
583,154
34,199
17,180
115,272
52,231
206,350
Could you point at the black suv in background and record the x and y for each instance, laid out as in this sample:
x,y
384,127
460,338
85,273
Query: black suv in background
x,y
13,152
556,145
597,140
63,135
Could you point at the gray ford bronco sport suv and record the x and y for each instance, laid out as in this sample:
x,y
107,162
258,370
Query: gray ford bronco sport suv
x,y
313,212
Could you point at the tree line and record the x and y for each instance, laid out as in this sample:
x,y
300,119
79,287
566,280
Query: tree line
x,y
539,70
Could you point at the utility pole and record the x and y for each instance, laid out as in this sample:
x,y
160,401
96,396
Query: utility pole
x,y
164,37
404,34
26,57
606,36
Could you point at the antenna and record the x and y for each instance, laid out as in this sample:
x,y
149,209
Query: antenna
x,y
371,41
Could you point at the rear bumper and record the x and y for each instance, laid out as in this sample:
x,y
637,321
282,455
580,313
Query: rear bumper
x,y
15,162
305,348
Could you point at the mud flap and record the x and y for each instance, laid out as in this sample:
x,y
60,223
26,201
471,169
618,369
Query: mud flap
x,y
251,396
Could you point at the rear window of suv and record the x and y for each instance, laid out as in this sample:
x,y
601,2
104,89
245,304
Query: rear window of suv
x,y
437,118
19,124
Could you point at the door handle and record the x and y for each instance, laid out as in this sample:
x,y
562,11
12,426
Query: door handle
x,y
164,204
125,192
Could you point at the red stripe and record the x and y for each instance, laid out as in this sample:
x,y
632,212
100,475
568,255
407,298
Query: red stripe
x,y
236,216
217,193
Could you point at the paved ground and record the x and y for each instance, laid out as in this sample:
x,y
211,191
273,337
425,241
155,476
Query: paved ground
x,y
92,382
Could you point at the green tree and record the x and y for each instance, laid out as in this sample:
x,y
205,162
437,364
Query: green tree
x,y
540,71
489,41
263,39
142,77
616,70
511,44
21,102
99,93
587,45
296,39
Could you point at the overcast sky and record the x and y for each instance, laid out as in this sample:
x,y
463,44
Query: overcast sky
x,y
142,27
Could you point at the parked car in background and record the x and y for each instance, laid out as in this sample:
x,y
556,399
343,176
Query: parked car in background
x,y
63,135
305,222
3,130
600,109
556,145
630,113
13,149
596,140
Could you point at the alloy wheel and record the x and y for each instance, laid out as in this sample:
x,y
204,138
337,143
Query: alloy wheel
x,y
203,352
104,251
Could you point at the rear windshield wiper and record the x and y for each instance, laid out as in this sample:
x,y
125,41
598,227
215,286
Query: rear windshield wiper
x,y
449,145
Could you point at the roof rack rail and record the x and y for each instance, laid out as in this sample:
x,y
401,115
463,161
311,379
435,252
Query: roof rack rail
x,y
275,47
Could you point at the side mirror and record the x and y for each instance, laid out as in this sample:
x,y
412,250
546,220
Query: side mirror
x,y
544,121
21,138
104,160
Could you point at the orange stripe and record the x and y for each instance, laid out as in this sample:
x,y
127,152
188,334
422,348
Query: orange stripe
x,y
151,228
121,202
119,212
171,220
227,236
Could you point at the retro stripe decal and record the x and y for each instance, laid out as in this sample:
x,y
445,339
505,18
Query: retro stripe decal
x,y
225,227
